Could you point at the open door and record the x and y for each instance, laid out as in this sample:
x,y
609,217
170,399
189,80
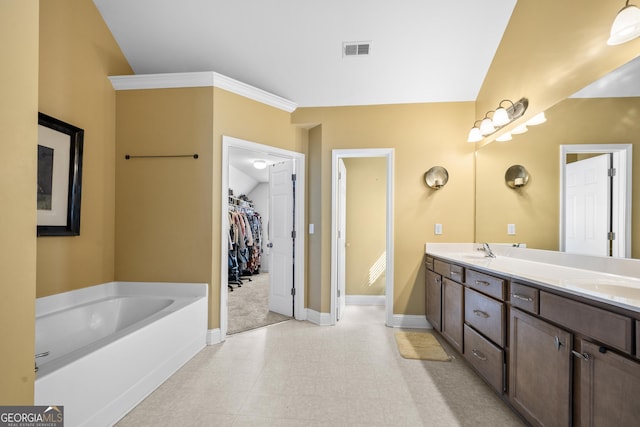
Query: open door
x,y
588,206
281,237
341,240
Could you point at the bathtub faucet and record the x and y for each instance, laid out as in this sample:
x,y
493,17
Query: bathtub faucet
x,y
46,353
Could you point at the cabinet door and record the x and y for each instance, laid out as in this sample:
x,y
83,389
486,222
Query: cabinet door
x,y
609,388
433,302
453,313
539,370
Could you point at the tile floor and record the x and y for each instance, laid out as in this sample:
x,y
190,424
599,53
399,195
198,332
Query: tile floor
x,y
299,374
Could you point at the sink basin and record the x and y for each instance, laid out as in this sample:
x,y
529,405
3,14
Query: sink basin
x,y
610,288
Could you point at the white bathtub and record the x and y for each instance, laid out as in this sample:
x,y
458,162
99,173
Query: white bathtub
x,y
109,346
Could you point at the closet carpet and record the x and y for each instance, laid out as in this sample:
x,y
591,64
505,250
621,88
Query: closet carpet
x,y
299,374
249,305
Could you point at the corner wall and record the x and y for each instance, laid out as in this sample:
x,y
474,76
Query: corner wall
x,y
18,165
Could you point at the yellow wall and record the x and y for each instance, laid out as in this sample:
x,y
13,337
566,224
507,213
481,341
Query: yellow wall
x,y
77,53
168,210
366,225
550,50
535,208
19,135
317,266
423,135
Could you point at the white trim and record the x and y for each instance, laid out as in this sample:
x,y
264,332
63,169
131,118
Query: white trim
x,y
201,79
365,299
214,336
623,159
299,261
410,321
387,153
321,319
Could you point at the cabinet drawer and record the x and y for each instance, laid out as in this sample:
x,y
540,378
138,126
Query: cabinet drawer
x,y
456,273
485,314
486,284
485,357
524,297
607,327
441,267
429,263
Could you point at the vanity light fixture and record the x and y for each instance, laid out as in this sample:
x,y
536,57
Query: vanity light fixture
x,y
626,25
474,134
537,119
504,137
498,118
519,129
259,164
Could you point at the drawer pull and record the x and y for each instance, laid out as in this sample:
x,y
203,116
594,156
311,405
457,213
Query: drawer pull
x,y
523,298
584,356
481,313
479,355
483,283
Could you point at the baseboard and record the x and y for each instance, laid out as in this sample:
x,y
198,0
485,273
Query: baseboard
x,y
366,300
214,336
410,321
322,319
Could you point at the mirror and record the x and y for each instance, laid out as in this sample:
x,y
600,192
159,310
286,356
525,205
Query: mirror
x,y
607,112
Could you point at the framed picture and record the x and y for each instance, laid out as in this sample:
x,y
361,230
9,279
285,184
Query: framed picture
x,y
59,177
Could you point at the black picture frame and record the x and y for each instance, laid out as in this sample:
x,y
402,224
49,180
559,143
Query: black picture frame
x,y
59,193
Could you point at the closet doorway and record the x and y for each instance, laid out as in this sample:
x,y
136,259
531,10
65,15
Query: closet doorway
x,y
261,272
384,263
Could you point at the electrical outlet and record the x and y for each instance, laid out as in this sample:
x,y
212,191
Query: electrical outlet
x,y
511,229
437,229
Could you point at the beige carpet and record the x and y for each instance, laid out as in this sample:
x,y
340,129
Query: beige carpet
x,y
249,306
420,345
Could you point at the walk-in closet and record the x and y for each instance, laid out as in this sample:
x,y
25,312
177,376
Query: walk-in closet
x,y
249,254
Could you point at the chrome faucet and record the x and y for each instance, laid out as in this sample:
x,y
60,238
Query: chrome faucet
x,y
487,250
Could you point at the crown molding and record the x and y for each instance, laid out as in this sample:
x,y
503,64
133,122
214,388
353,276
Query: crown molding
x,y
201,79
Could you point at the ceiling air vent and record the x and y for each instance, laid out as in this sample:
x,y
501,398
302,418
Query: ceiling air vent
x,y
356,48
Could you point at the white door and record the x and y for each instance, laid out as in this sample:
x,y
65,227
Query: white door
x,y
281,214
341,241
588,206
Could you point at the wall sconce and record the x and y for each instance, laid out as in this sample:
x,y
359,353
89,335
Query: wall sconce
x,y
626,25
516,176
500,117
436,177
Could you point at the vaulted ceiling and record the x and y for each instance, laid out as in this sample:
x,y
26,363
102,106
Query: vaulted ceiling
x,y
420,50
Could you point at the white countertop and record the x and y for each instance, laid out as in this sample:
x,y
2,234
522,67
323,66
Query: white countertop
x,y
615,281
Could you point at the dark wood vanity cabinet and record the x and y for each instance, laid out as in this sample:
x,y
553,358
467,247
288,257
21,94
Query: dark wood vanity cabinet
x,y
557,359
453,313
433,299
608,387
539,370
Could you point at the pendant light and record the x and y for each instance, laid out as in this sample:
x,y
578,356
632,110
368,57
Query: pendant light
x,y
626,26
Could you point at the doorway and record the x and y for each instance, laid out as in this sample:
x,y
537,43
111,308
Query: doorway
x,y
337,255
277,262
617,221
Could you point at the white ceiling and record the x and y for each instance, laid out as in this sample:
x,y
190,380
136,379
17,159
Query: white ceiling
x,y
421,50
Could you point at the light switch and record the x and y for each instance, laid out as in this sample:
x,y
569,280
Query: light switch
x,y
312,228
511,229
437,229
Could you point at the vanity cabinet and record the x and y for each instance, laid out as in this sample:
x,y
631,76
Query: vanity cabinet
x,y
453,313
608,387
433,299
557,358
539,370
